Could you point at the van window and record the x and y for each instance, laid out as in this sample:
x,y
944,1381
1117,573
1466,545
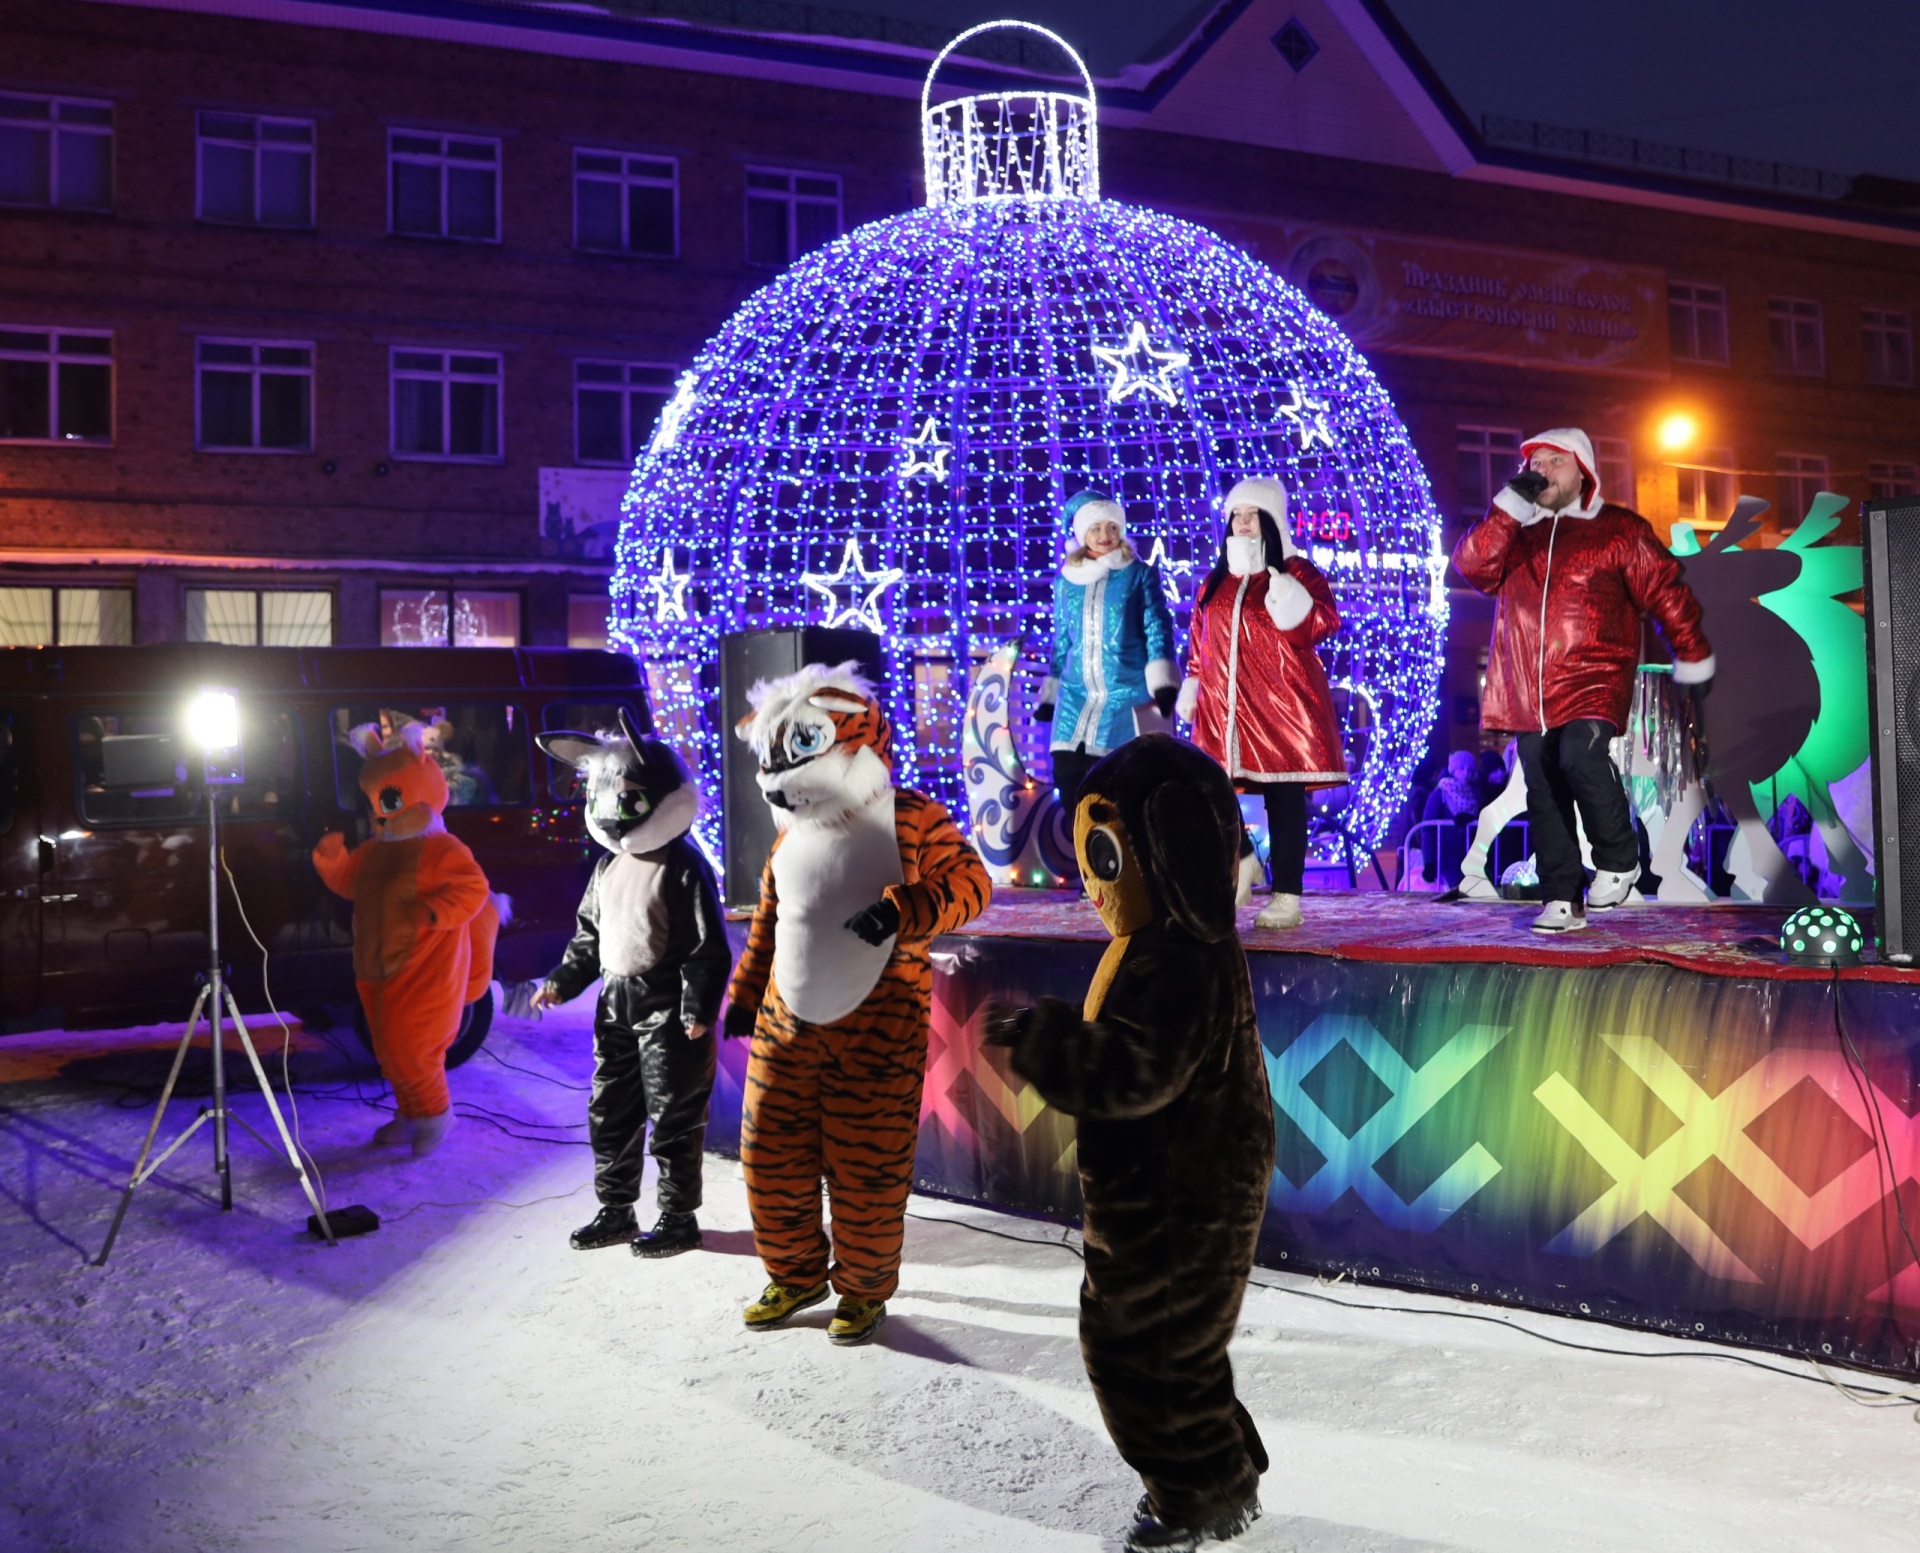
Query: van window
x,y
582,717
136,767
482,748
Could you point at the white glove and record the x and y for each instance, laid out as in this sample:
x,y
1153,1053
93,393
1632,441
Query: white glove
x,y
1188,701
1288,601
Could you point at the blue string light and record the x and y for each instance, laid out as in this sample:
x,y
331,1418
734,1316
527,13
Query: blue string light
x,y
921,396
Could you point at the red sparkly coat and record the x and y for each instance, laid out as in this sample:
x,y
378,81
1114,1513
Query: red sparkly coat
x,y
1584,584
1264,710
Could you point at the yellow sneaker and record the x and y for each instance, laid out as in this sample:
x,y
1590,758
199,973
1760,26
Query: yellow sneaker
x,y
781,1300
856,1320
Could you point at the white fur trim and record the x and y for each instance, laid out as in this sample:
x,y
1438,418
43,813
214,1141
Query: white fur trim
x,y
1693,673
672,819
1288,601
829,790
1246,555
1086,571
774,701
1097,511
1049,691
1516,506
1576,443
1188,701
1162,674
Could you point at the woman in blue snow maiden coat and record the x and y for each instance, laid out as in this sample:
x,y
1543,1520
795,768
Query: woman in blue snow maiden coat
x,y
1112,645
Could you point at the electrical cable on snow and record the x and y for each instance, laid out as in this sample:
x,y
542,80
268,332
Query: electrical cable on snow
x,y
1852,1393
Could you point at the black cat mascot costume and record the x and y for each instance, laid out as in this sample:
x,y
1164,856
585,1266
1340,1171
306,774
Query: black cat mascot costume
x,y
1164,1073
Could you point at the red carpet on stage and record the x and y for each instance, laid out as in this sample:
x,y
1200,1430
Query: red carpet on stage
x,y
1418,929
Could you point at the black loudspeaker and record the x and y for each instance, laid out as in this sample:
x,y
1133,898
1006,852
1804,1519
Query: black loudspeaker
x,y
1891,532
747,657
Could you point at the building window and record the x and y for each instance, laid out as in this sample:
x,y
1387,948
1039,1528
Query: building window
x,y
256,171
256,395
615,404
1697,322
1707,489
1489,456
1795,339
789,213
55,387
1888,338
242,617
1886,482
441,617
626,204
587,620
56,152
66,617
1802,477
444,186
1614,455
446,405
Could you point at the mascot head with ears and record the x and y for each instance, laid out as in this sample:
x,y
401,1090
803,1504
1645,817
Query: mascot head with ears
x,y
640,795
405,787
824,746
1157,834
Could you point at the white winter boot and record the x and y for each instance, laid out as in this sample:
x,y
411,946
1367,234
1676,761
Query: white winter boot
x,y
1282,911
1249,875
428,1131
1610,889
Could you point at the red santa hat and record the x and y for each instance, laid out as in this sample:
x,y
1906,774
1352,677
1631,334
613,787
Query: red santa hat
x,y
1574,442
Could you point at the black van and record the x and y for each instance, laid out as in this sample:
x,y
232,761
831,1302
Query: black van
x,y
103,859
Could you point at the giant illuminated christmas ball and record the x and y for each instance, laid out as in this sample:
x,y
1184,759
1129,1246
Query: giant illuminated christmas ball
x,y
883,436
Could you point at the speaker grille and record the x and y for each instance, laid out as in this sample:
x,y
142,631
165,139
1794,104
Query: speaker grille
x,y
1892,535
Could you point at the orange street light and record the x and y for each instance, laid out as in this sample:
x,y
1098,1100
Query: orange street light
x,y
1677,431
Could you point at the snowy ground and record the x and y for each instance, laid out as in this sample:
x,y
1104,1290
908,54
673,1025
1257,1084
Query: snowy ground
x,y
462,1380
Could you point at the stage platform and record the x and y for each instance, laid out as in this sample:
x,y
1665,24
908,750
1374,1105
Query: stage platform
x,y
1654,1121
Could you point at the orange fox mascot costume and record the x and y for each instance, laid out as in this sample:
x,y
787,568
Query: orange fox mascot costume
x,y
424,924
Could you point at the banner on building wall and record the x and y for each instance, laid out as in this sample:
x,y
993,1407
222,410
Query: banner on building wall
x,y
1426,296
1646,1145
580,512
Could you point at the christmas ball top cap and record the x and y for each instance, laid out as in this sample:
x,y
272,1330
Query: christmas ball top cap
x,y
1025,145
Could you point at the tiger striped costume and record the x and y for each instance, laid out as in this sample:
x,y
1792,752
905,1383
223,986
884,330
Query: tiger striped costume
x,y
840,1039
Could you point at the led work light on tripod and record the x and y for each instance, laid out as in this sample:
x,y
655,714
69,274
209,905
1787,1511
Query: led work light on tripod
x,y
211,723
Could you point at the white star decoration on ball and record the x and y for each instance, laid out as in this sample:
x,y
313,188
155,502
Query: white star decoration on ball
x,y
926,453
669,589
673,413
1309,418
1139,368
1170,570
854,576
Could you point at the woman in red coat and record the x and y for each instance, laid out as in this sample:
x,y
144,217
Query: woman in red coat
x,y
1256,693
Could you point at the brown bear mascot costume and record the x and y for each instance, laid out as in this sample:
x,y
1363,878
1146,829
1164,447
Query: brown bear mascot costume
x,y
1163,1070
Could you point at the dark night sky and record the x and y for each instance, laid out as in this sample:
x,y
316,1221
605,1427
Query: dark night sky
x,y
1827,83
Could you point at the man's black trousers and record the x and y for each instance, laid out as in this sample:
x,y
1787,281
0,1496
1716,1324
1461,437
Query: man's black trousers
x,y
1568,768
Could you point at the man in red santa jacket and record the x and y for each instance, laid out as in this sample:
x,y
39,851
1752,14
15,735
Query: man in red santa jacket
x,y
1575,577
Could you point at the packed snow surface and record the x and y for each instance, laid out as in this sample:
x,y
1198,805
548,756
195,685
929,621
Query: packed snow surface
x,y
462,1380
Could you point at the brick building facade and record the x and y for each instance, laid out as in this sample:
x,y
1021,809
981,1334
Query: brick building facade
x,y
341,322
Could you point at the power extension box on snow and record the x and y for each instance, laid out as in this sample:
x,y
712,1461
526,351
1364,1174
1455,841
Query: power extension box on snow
x,y
356,1220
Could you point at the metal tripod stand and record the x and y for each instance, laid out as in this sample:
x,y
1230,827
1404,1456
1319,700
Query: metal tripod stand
x,y
215,1000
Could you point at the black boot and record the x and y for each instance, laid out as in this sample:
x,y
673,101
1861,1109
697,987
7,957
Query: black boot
x,y
611,1225
1150,1534
676,1232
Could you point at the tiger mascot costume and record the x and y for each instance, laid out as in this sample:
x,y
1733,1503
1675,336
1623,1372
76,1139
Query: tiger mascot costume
x,y
835,989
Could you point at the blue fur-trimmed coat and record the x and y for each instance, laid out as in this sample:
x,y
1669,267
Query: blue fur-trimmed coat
x,y
1112,649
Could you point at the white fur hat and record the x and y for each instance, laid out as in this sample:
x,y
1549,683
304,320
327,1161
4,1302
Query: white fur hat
x,y
1089,508
1270,496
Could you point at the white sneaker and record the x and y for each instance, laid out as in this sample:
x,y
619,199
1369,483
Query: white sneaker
x,y
1282,911
1560,917
1249,874
1610,889
1478,887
